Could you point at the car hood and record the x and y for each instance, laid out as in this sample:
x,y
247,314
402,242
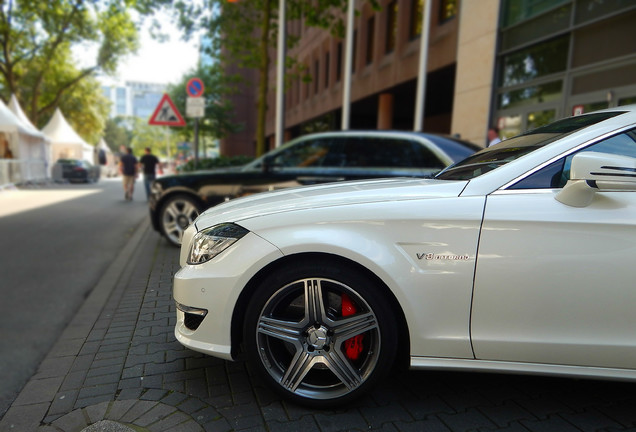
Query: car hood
x,y
328,195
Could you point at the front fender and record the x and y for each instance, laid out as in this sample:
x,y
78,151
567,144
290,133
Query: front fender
x,y
426,258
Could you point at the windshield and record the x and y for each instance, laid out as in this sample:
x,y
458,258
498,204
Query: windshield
x,y
493,157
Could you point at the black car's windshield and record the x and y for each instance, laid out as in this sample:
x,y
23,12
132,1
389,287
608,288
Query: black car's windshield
x,y
514,148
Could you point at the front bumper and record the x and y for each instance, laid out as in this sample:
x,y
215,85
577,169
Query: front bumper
x,y
206,294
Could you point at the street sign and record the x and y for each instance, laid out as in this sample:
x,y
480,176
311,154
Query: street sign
x,y
166,114
195,87
195,107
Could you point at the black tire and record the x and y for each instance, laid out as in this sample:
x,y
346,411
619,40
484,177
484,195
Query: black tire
x,y
295,318
175,215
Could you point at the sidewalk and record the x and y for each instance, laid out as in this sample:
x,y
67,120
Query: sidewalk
x,y
118,360
118,367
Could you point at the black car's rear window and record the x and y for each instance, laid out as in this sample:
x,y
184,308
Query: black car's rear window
x,y
514,148
457,150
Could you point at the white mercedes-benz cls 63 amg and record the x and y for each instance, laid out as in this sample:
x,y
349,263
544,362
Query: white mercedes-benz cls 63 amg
x,y
519,258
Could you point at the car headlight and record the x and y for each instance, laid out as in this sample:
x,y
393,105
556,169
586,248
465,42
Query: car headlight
x,y
210,242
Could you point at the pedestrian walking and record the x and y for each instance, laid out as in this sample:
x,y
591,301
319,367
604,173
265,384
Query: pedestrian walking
x,y
128,168
148,163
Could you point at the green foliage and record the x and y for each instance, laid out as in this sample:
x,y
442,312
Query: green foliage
x,y
116,134
161,140
36,41
86,108
220,162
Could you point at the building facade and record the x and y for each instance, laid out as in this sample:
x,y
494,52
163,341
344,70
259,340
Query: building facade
x,y
134,98
511,64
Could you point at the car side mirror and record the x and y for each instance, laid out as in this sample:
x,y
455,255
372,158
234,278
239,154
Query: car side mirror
x,y
593,172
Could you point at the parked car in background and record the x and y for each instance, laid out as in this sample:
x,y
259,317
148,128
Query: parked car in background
x,y
318,158
518,259
75,171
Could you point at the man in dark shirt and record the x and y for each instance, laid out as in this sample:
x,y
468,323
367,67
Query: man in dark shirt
x,y
148,162
128,170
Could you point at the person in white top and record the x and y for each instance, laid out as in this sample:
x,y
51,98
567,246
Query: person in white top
x,y
493,136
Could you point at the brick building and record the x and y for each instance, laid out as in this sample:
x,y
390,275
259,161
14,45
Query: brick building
x,y
515,64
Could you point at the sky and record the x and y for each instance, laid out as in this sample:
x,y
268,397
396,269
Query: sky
x,y
161,62
155,62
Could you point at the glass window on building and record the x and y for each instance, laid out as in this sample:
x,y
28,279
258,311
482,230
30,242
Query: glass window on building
x,y
588,10
316,76
589,107
447,10
515,11
534,62
391,26
338,61
327,65
535,94
540,118
509,126
370,39
417,9
355,51
562,57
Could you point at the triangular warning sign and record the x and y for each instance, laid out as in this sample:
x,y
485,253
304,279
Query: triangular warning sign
x,y
166,114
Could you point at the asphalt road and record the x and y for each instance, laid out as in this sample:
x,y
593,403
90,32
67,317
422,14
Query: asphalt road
x,y
56,242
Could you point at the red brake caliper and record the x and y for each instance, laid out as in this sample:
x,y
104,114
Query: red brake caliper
x,y
353,346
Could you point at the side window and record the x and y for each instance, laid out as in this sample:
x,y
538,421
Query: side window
x,y
336,156
389,152
309,153
425,158
557,173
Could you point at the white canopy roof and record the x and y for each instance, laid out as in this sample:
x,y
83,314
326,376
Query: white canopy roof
x,y
16,109
27,144
9,122
65,141
59,131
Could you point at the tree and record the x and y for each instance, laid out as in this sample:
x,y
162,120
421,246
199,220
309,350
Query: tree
x,y
116,134
243,32
36,42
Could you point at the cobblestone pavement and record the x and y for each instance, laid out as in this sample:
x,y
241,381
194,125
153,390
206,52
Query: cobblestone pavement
x,y
118,367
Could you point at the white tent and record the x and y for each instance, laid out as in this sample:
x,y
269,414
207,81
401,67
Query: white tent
x,y
40,148
65,142
21,150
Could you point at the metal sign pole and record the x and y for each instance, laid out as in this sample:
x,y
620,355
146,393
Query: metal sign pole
x,y
195,107
196,143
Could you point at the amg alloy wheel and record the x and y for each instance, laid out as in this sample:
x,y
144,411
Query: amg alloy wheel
x,y
321,336
176,215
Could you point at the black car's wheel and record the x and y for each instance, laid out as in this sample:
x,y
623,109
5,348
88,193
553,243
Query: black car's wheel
x,y
175,215
320,335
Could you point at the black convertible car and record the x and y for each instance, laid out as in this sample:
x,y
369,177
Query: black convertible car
x,y
177,200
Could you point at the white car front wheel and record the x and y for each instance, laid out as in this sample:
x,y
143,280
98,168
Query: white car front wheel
x,y
320,335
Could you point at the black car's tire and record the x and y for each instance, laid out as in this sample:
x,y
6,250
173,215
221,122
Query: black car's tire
x,y
300,338
175,215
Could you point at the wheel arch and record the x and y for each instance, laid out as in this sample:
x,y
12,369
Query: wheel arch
x,y
238,315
